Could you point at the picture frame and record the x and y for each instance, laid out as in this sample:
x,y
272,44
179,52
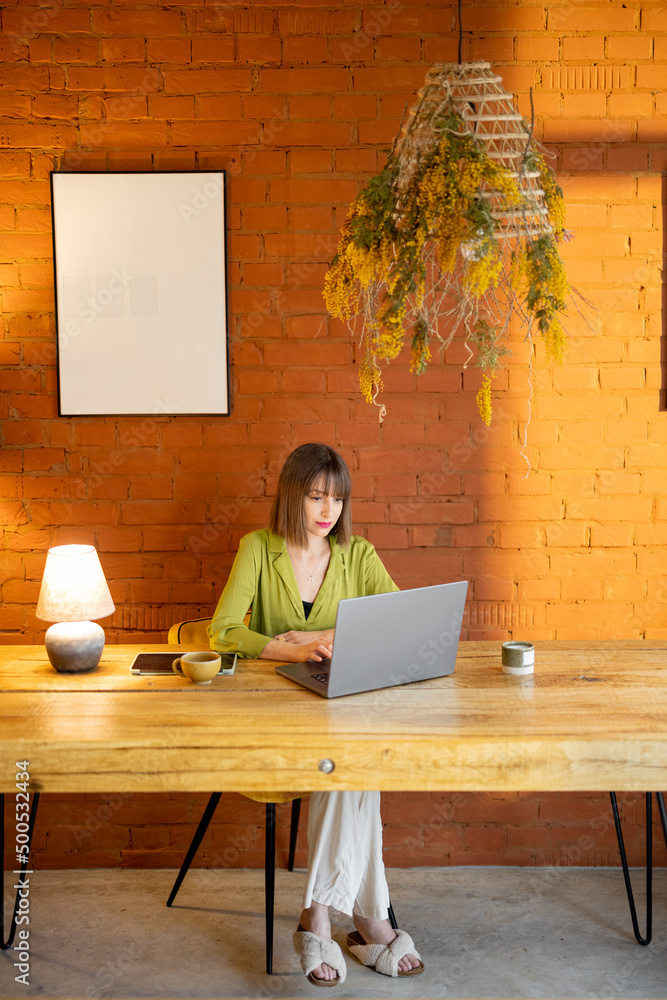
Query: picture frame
x,y
140,275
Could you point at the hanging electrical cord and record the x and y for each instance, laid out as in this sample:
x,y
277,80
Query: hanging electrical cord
x,y
460,34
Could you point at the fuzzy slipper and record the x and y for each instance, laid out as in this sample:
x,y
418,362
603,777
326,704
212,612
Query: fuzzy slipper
x,y
384,958
313,951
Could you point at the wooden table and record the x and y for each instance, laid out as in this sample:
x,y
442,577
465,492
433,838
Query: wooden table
x,y
592,717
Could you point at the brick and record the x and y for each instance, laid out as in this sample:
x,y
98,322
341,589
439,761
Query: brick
x,y
208,133
581,18
313,22
125,108
27,134
574,130
14,164
305,192
170,108
622,377
147,135
651,131
120,21
310,107
13,49
30,20
170,50
630,106
626,159
28,79
405,79
136,81
75,50
122,50
283,245
213,48
255,49
589,105
304,49
206,81
41,50
15,107
630,47
585,48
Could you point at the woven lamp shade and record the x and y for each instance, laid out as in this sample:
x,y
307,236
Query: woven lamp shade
x,y
477,94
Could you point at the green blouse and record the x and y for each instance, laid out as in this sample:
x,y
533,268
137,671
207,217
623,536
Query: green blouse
x,y
262,577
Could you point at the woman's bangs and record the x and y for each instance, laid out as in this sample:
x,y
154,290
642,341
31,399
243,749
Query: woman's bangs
x,y
333,481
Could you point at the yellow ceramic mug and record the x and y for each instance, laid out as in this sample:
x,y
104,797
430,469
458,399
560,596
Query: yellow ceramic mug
x,y
200,668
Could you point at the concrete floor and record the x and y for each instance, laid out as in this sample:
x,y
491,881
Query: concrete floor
x,y
482,932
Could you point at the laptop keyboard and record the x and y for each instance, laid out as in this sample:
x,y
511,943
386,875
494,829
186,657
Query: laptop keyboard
x,y
322,678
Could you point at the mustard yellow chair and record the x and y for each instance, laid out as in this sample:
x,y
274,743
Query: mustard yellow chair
x,y
194,632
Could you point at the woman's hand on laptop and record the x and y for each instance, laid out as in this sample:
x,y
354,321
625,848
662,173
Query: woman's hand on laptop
x,y
289,651
304,638
318,649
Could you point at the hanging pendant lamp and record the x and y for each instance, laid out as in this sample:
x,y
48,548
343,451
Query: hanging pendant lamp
x,y
459,232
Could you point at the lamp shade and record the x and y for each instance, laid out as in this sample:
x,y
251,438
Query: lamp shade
x,y
73,586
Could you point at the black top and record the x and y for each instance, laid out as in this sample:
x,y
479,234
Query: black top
x,y
307,607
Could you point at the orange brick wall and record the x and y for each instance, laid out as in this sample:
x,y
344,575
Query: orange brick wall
x,y
298,102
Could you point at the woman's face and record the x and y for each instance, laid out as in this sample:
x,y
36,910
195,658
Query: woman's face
x,y
321,511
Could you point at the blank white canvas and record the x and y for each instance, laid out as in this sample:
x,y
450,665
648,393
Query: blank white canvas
x,y
141,293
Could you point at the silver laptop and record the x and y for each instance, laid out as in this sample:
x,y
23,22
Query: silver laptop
x,y
388,639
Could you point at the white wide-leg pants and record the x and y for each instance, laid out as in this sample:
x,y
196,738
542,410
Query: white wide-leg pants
x,y
345,867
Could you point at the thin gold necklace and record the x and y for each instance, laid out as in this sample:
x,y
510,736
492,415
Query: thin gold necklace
x,y
311,578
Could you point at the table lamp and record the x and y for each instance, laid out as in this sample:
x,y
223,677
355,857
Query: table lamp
x,y
74,590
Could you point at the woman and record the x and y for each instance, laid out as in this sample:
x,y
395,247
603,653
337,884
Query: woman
x,y
293,577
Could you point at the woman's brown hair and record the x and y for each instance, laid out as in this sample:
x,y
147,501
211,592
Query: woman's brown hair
x,y
308,466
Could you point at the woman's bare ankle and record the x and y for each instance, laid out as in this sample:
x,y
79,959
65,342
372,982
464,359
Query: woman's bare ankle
x,y
376,931
316,920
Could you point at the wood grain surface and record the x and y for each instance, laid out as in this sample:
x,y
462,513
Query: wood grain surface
x,y
593,716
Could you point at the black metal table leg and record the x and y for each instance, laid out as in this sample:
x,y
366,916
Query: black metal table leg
x,y
649,864
663,815
270,880
196,841
19,871
293,831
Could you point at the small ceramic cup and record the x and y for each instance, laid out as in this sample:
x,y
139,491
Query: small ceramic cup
x,y
518,658
200,668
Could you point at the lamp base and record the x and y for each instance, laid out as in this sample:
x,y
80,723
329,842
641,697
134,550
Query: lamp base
x,y
74,647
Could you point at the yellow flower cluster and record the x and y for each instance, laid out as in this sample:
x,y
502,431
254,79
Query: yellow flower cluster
x,y
371,263
421,355
501,180
445,192
340,290
356,264
370,378
482,273
548,289
483,400
553,197
387,340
